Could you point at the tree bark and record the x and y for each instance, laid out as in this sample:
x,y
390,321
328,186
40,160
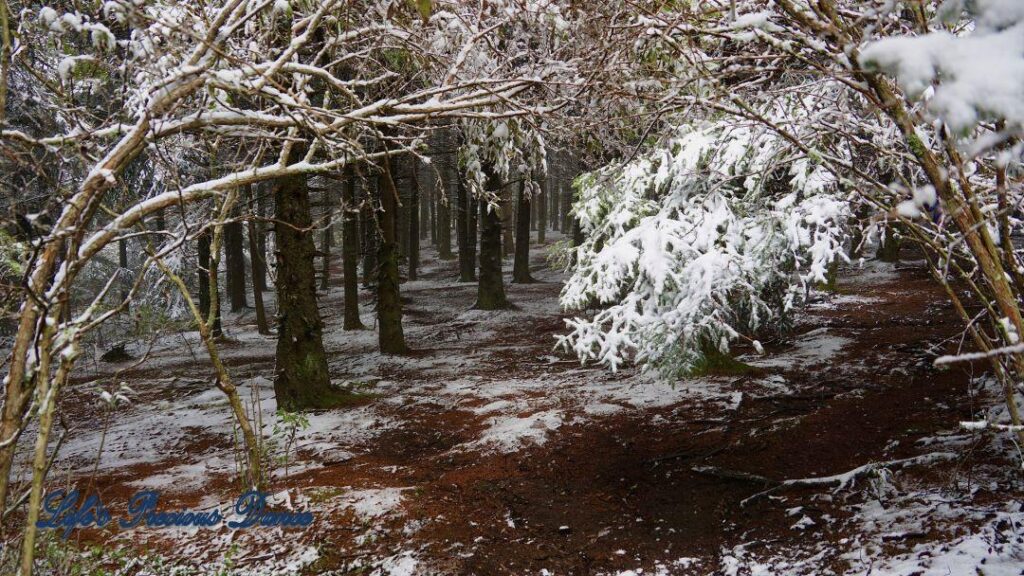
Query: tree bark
x,y
533,216
542,212
389,303
444,219
467,267
326,240
471,232
566,209
424,219
555,196
400,169
301,379
491,287
555,201
577,237
122,262
432,208
350,254
257,270
234,262
413,214
209,296
507,216
368,226
260,274
521,264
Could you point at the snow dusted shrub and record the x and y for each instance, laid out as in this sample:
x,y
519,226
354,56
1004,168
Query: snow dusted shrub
x,y
689,248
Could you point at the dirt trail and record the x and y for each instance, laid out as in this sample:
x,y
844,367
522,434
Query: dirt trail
x,y
627,482
590,483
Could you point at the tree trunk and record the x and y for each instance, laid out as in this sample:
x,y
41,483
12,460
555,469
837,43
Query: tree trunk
x,y
566,209
491,287
122,262
444,221
258,255
301,379
554,196
555,201
208,294
400,176
389,302
507,215
326,240
234,261
467,268
424,219
577,238
471,232
521,264
432,207
889,249
257,271
350,254
413,214
368,226
533,216
542,213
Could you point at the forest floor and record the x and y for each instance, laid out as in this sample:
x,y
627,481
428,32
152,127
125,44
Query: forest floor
x,y
486,451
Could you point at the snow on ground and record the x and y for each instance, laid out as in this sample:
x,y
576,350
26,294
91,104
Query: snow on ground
x,y
515,411
372,503
814,348
973,540
178,428
147,433
464,367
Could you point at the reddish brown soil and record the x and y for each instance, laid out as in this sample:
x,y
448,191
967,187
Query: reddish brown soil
x,y
627,481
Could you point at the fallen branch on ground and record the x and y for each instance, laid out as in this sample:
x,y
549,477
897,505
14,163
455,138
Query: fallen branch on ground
x,y
839,481
724,474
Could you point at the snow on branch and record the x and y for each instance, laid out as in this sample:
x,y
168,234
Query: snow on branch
x,y
972,356
965,78
686,250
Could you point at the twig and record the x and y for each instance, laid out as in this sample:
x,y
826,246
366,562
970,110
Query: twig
x,y
724,474
845,479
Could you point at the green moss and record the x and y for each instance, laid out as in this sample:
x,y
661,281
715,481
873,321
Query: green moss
x,y
916,145
714,362
832,277
323,494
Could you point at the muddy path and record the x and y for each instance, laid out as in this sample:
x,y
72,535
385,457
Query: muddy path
x,y
486,451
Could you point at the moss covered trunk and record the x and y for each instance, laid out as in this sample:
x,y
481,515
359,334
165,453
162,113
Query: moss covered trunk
x,y
208,294
389,302
301,379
